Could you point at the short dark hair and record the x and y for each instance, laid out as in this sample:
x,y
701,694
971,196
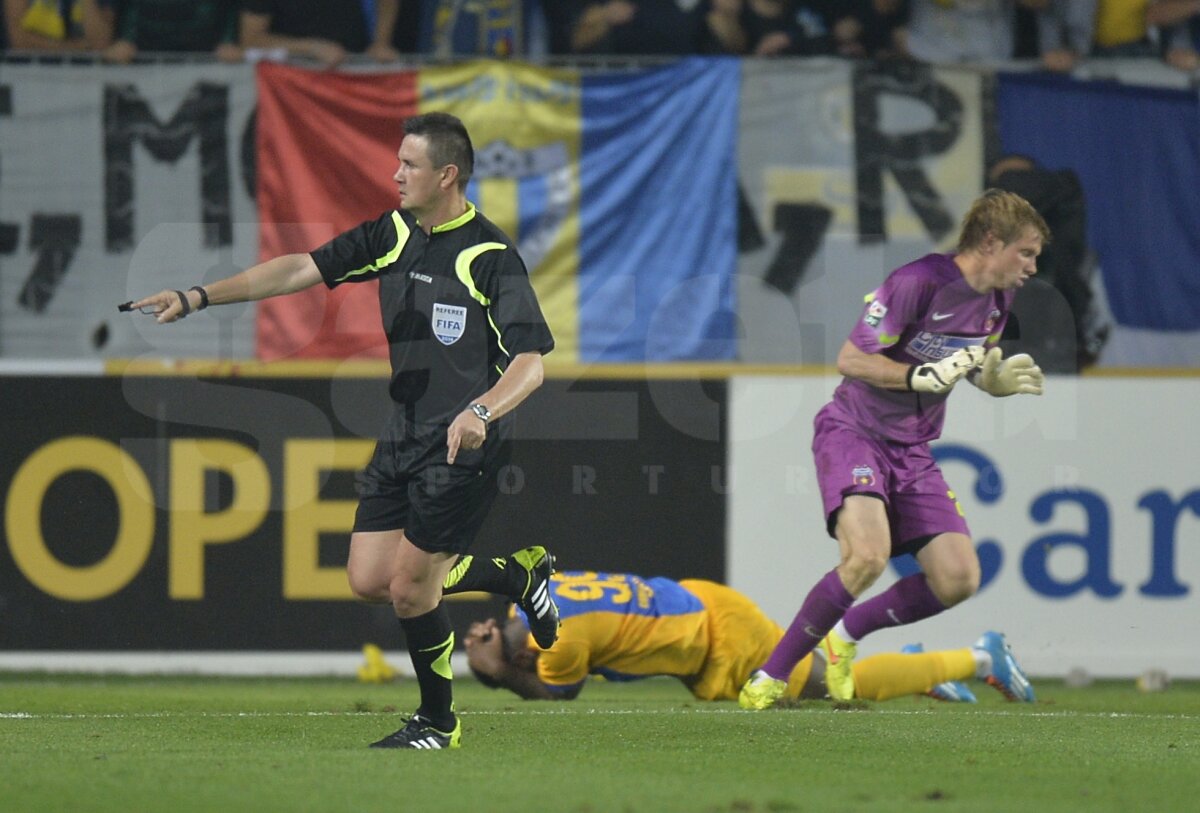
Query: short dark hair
x,y
449,142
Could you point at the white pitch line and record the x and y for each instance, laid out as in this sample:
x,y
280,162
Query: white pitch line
x,y
23,715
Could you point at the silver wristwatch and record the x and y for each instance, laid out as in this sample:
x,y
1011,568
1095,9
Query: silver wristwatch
x,y
483,413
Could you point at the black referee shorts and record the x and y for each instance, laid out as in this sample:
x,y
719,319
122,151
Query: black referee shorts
x,y
408,485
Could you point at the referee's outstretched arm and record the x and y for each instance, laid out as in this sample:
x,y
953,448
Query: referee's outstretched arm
x,y
285,274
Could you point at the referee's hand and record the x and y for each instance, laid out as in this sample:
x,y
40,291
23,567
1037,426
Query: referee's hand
x,y
466,432
164,306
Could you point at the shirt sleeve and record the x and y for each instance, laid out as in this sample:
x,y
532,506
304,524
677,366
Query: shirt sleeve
x,y
564,665
358,255
888,310
514,306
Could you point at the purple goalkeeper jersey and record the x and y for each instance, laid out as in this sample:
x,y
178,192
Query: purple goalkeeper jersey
x,y
924,311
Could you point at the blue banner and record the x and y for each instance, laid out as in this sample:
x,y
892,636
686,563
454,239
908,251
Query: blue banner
x,y
1137,153
658,213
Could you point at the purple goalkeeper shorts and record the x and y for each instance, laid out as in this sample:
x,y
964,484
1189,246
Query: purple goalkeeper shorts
x,y
920,505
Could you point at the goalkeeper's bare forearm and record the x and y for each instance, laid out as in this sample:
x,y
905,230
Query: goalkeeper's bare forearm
x,y
875,369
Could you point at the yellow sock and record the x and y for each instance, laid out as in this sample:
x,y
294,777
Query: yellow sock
x,y
882,677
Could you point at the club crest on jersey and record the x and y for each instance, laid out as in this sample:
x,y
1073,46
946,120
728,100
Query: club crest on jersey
x,y
863,475
875,313
449,322
990,322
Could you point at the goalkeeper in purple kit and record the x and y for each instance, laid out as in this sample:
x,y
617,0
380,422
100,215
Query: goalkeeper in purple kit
x,y
930,324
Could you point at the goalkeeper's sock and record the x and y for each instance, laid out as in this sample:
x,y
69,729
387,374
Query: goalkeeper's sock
x,y
825,604
982,662
906,601
839,629
430,641
882,677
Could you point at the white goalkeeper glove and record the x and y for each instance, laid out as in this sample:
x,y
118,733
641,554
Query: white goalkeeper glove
x,y
1018,374
940,376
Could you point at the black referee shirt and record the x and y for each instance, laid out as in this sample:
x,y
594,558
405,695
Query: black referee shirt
x,y
456,305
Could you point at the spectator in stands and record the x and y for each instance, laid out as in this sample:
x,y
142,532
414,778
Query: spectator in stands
x,y
407,30
1176,19
1064,32
199,26
1146,28
322,30
865,29
53,25
1122,30
648,27
560,18
798,27
498,29
1064,343
855,29
771,27
946,31
722,31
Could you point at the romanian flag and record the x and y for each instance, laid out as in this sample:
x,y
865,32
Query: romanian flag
x,y
619,190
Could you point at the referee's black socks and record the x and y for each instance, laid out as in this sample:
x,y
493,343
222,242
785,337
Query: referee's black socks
x,y
430,640
495,575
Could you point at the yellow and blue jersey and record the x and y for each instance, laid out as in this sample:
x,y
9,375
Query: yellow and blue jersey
x,y
624,627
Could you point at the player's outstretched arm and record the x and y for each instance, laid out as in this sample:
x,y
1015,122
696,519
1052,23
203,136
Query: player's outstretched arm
x,y
1017,375
282,275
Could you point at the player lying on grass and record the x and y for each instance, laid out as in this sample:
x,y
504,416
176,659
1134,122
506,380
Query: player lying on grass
x,y
711,637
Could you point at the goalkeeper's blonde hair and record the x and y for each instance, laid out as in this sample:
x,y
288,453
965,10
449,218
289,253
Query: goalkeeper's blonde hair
x,y
1005,215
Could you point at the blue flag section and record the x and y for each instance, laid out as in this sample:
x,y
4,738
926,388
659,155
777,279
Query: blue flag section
x,y
658,213
1137,153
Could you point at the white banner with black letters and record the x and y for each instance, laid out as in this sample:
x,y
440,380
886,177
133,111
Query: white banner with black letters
x,y
117,182
845,173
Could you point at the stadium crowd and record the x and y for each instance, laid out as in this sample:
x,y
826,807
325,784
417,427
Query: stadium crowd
x,y
1057,32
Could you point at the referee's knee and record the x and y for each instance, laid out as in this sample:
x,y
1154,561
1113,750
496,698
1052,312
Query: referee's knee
x,y
366,586
409,599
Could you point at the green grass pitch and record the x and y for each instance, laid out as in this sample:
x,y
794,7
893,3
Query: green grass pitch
x,y
175,744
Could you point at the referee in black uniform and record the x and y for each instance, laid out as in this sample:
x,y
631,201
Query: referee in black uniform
x,y
466,337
